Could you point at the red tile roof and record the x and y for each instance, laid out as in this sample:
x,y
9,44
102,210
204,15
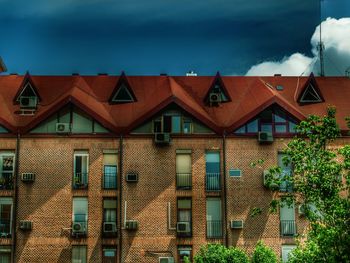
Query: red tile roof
x,y
249,96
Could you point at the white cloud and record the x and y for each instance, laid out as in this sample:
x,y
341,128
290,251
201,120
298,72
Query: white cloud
x,y
335,36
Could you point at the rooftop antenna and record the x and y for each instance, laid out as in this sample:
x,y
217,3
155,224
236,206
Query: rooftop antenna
x,y
320,45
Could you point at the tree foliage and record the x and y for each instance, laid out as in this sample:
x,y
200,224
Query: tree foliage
x,y
263,254
321,180
217,253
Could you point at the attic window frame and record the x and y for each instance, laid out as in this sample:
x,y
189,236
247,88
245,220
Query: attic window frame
x,y
306,91
24,88
124,86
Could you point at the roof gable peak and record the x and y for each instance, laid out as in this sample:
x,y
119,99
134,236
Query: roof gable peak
x,y
27,89
122,92
310,93
217,92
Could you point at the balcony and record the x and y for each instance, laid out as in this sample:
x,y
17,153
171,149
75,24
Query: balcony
x,y
214,229
80,181
286,186
6,181
288,228
110,181
212,182
184,181
5,228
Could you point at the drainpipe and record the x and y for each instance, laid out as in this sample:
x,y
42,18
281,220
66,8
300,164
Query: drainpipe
x,y
120,195
15,203
225,187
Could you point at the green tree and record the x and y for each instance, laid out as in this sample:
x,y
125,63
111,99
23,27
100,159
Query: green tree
x,y
263,254
321,180
217,253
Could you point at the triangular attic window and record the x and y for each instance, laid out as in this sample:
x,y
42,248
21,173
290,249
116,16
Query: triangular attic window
x,y
122,95
217,92
27,91
3,129
310,95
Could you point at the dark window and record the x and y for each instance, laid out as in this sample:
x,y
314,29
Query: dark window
x,y
184,251
184,215
109,254
5,254
310,95
123,95
5,217
212,166
80,179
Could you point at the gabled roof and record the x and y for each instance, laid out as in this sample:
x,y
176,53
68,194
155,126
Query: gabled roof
x,y
154,93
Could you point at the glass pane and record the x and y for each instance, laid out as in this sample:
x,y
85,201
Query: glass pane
x,y
280,128
184,215
110,203
280,116
110,159
252,126
187,126
81,124
3,130
184,204
80,208
183,163
212,162
266,115
98,128
292,127
110,176
266,127
176,124
240,130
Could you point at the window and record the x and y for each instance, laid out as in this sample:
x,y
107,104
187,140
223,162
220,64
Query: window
x,y
214,218
212,166
110,169
6,170
287,217
109,217
5,216
81,169
109,254
273,119
183,169
286,185
235,172
80,214
172,121
310,95
286,250
3,129
79,254
5,254
184,251
184,215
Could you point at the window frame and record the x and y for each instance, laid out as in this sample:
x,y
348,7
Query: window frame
x,y
188,153
178,215
7,183
84,260
7,201
80,153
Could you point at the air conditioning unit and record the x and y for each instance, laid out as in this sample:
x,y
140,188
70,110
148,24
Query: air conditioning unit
x,y
63,127
183,227
265,137
131,224
109,227
236,224
78,228
214,98
25,225
28,102
267,184
132,177
28,177
166,260
162,138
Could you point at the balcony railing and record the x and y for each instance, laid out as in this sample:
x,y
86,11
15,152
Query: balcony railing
x,y
288,228
5,228
6,181
80,180
184,181
212,182
214,228
110,181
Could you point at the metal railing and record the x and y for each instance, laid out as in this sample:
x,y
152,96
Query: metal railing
x,y
6,180
5,227
110,181
288,228
80,180
183,180
214,228
212,182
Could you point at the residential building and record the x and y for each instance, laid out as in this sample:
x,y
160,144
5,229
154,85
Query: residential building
x,y
149,168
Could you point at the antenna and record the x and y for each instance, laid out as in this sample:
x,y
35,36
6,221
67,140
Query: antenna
x,y
320,45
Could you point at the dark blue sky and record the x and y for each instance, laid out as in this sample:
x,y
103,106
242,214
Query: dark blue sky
x,y
150,37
